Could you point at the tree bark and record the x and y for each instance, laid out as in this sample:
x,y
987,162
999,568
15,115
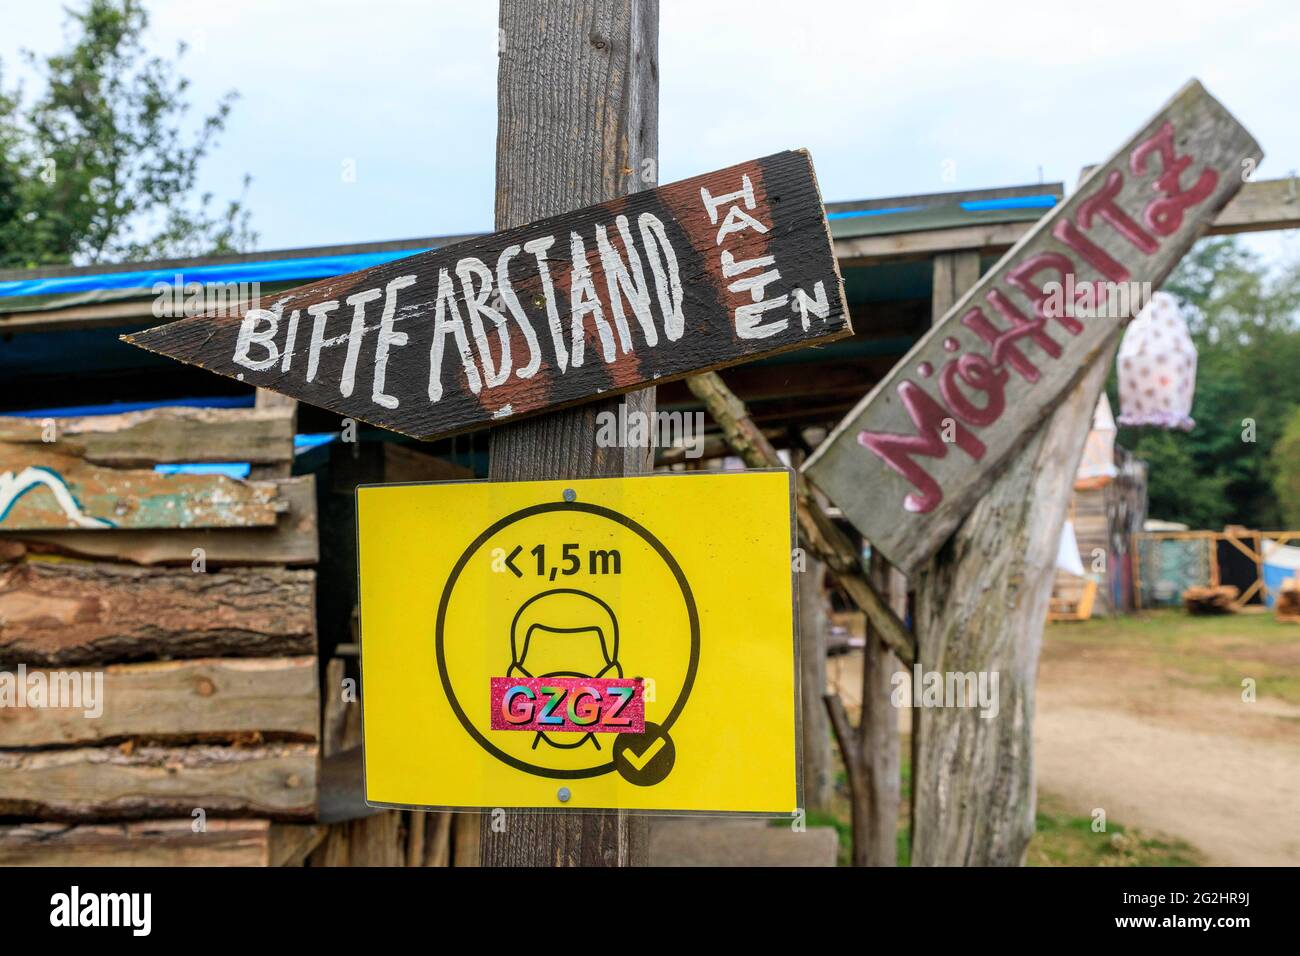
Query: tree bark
x,y
981,605
228,699
158,843
577,95
96,783
54,613
261,436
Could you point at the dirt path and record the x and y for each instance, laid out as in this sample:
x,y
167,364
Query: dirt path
x,y
1222,774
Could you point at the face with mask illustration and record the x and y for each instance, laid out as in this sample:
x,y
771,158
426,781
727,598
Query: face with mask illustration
x,y
564,633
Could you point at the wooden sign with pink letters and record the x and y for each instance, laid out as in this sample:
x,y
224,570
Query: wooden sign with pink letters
x,y
913,458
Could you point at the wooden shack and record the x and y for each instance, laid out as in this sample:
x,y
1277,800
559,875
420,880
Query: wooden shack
x,y
194,543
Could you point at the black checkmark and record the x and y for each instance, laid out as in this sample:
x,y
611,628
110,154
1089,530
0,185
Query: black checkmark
x,y
646,758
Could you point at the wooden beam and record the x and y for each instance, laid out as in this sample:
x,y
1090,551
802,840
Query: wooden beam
x,y
294,539
55,613
949,198
987,616
437,850
268,401
209,699
334,710
981,605
714,446
818,768
590,139
42,490
403,464
70,318
161,435
817,532
954,273
96,783
984,239
1262,206
158,843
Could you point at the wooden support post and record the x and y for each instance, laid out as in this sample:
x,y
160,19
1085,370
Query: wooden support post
x,y
981,605
954,273
577,97
268,399
812,687
878,734
871,767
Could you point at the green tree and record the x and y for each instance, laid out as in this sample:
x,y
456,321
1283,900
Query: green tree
x,y
102,164
1243,319
1286,477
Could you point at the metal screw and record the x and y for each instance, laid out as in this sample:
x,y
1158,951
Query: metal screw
x,y
570,494
563,794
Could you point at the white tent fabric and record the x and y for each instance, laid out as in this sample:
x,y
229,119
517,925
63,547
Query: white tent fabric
x,y
1067,554
1098,463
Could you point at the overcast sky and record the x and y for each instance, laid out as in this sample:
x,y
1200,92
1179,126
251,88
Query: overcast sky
x,y
886,95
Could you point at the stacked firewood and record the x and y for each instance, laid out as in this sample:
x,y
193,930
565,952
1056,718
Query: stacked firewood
x,y
157,642
1212,599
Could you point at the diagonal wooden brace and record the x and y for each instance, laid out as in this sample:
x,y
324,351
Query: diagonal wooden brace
x,y
826,541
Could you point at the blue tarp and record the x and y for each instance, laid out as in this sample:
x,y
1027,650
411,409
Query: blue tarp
x,y
271,270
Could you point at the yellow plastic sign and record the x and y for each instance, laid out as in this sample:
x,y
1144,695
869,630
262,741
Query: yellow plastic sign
x,y
616,643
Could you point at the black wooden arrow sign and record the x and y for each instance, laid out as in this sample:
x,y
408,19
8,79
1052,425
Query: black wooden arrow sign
x,y
912,459
699,274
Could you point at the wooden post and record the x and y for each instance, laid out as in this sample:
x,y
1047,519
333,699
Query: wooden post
x,y
812,687
268,399
878,738
981,605
577,98
954,273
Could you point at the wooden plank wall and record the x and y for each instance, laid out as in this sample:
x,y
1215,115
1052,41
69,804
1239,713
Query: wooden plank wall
x,y
386,837
188,603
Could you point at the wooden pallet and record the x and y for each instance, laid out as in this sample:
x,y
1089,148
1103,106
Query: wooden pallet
x,y
1072,598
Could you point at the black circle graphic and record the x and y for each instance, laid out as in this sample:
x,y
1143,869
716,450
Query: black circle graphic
x,y
651,763
650,539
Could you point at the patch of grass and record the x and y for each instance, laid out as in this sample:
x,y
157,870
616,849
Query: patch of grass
x,y
903,846
1062,839
1212,653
